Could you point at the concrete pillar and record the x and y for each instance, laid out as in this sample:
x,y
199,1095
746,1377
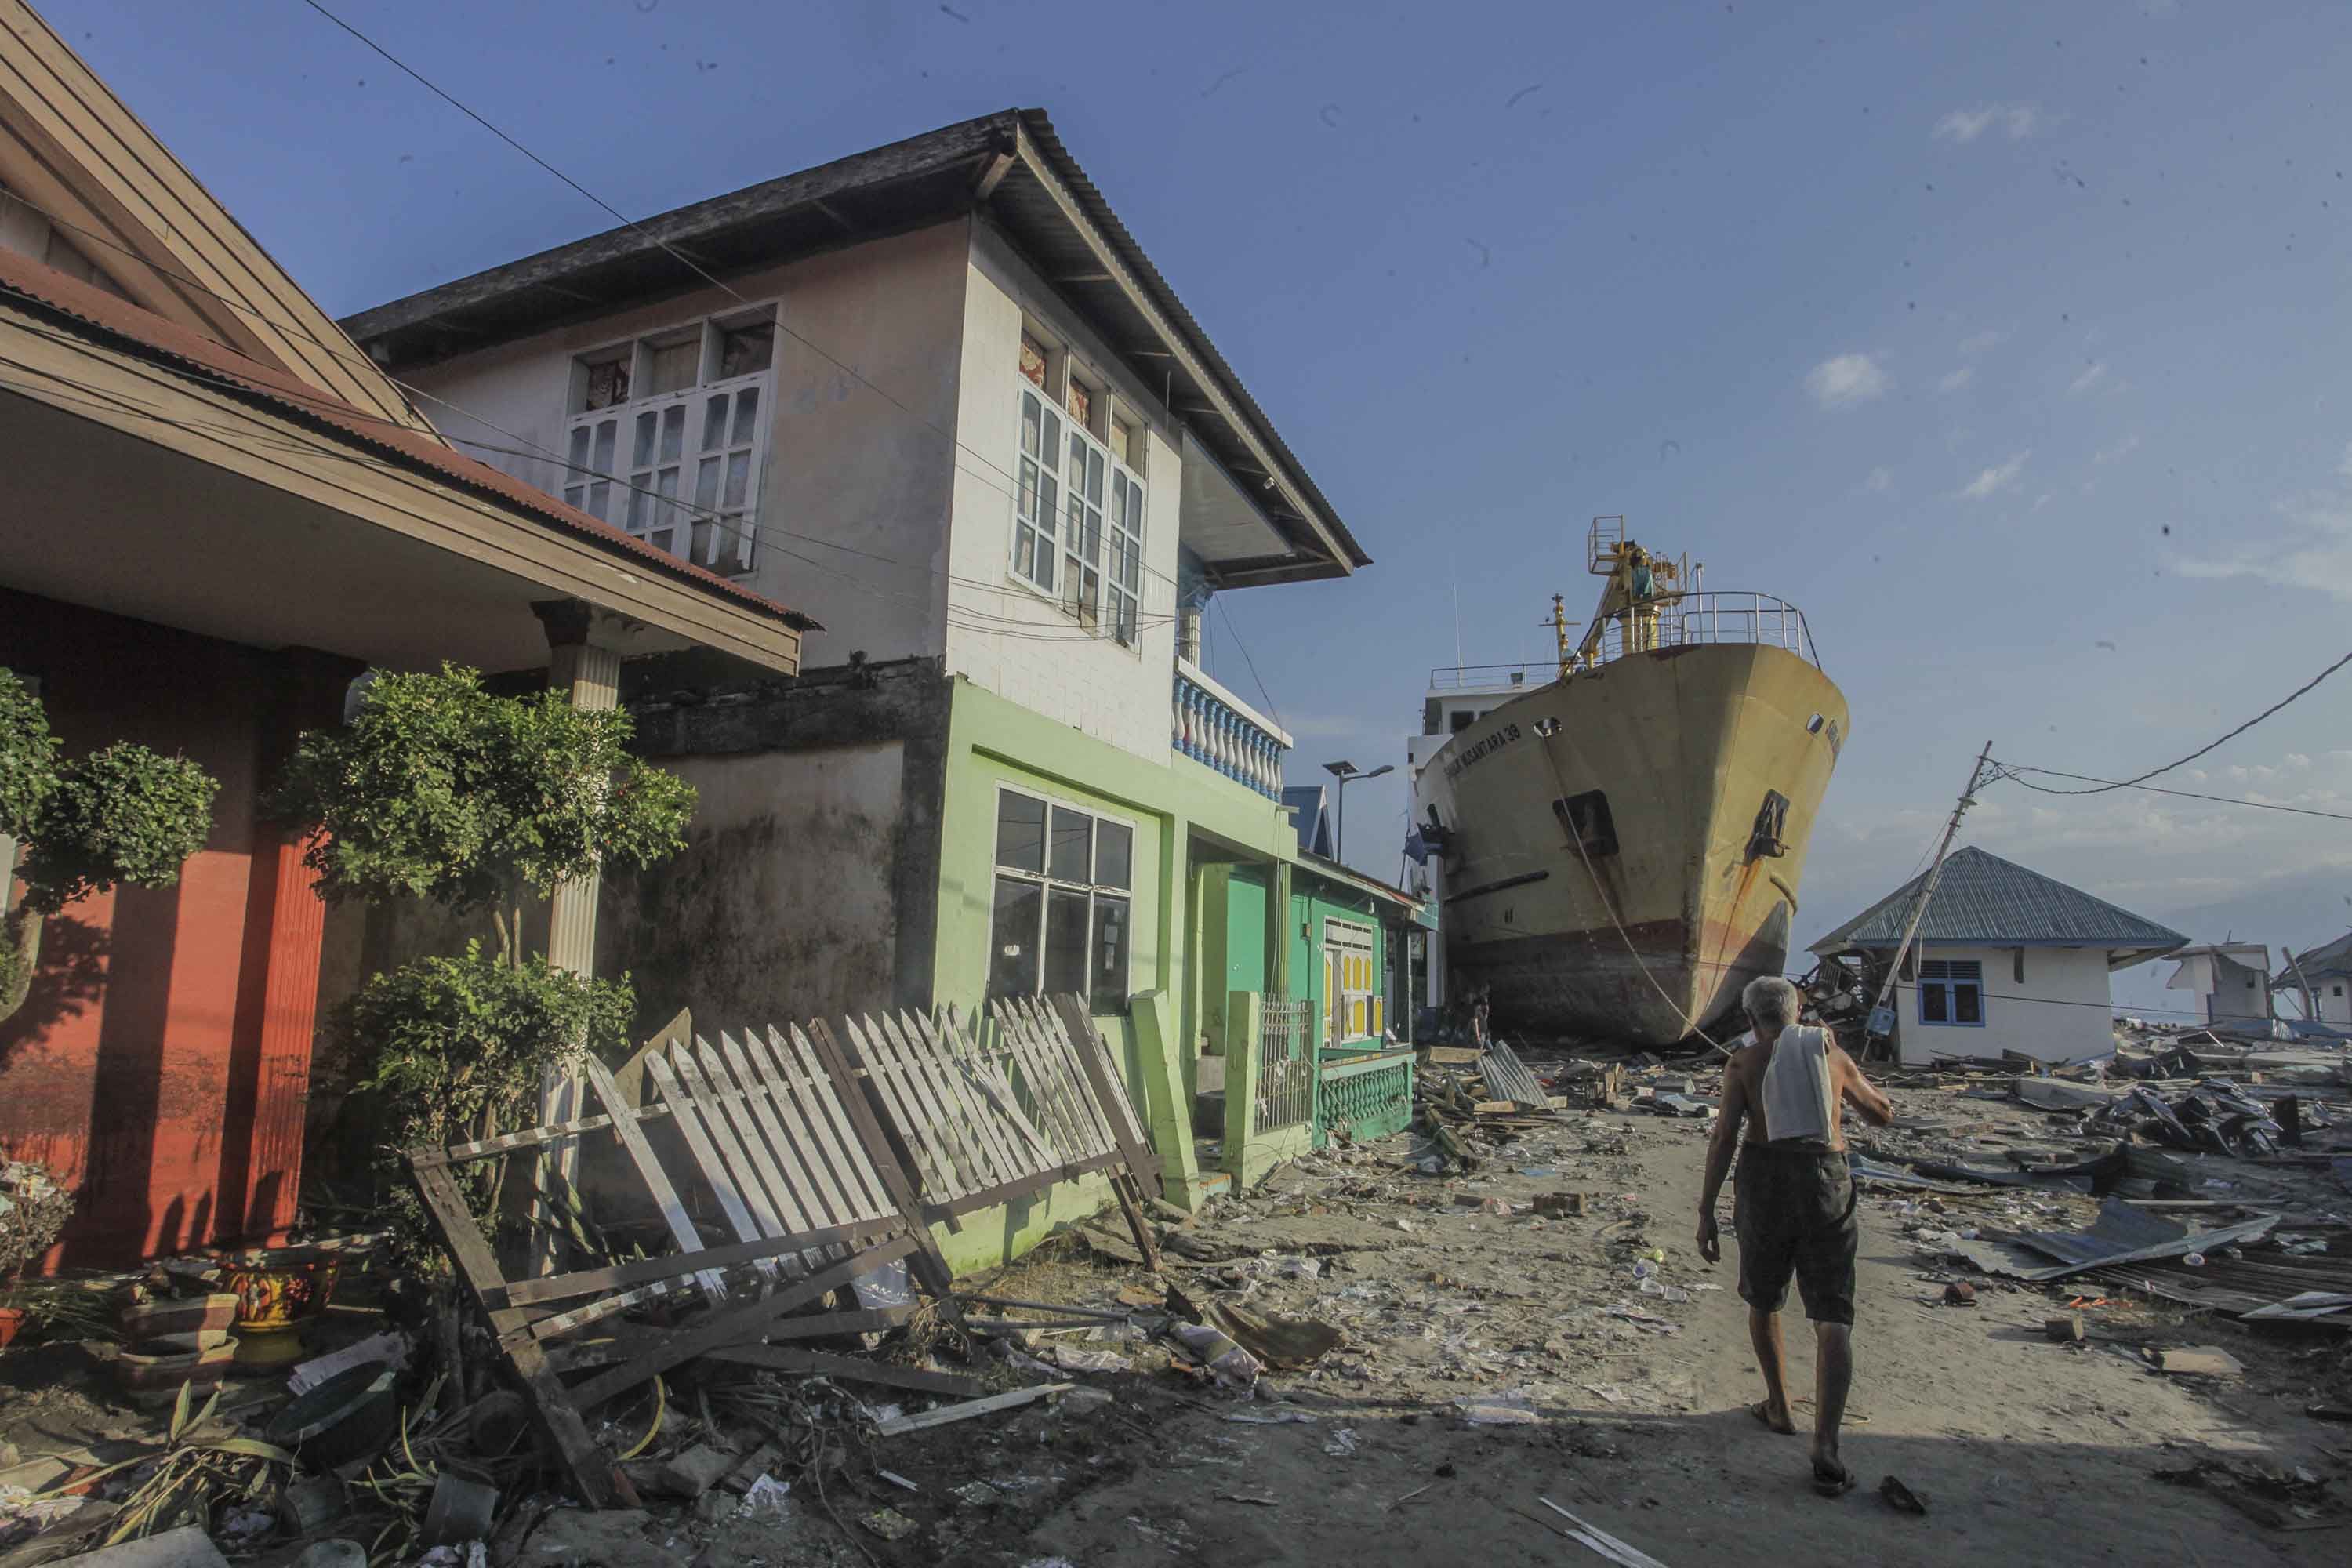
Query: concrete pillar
x,y
591,676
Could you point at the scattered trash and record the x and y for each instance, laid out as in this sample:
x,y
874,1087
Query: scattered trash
x,y
769,1498
1959,1293
1340,1443
2065,1331
891,1524
1217,1353
1248,1497
1498,1410
978,1494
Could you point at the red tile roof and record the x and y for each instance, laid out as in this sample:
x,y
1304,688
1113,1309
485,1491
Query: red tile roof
x,y
191,354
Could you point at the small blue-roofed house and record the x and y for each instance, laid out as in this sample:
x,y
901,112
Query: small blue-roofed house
x,y
2006,960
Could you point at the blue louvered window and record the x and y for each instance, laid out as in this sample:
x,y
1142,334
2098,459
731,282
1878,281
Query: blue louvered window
x,y
1951,991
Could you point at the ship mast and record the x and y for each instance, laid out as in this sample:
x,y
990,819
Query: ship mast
x,y
1640,587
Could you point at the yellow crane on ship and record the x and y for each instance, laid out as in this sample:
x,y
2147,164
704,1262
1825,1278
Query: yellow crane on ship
x,y
1641,587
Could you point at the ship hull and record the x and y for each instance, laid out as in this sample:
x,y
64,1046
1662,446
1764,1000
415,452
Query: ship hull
x,y
1675,901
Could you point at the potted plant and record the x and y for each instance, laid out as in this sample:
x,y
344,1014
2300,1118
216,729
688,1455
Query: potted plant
x,y
34,1208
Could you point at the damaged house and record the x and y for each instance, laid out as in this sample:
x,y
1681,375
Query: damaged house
x,y
941,390
2006,960
216,513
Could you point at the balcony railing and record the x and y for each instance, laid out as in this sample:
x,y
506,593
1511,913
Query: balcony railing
x,y
1218,729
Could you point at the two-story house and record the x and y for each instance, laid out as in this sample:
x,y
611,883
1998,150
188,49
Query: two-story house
x,y
939,390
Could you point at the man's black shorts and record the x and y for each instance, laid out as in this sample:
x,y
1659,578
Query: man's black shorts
x,y
1794,1212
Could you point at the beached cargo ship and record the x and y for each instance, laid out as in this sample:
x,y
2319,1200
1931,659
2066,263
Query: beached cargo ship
x,y
1616,839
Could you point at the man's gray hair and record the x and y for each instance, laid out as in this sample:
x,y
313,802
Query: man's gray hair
x,y
1771,1001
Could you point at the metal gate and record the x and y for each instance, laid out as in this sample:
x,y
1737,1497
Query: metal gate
x,y
1285,1064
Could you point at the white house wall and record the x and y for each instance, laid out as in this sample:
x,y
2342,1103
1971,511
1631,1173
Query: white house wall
x,y
1004,636
2059,1012
863,469
2334,999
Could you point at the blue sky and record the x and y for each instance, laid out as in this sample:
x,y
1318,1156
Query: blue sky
x,y
2006,341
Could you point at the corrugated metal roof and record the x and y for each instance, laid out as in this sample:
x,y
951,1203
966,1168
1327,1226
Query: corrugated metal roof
x,y
2329,958
1985,899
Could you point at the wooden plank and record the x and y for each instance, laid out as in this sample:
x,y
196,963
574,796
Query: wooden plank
x,y
936,1172
946,1413
656,1180
979,1085
737,1324
737,1135
1070,1050
942,1115
1094,1060
557,1414
773,1152
930,1267
698,1143
850,1369
621,1276
828,1147
946,1056
483,1148
1065,1112
1021,1186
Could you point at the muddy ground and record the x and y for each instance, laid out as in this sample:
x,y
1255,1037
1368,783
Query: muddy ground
x,y
1490,1360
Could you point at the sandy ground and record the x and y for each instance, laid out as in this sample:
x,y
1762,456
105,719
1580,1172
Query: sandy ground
x,y
2024,1451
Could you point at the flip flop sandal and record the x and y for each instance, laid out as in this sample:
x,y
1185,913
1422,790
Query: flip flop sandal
x,y
1833,1486
1761,1411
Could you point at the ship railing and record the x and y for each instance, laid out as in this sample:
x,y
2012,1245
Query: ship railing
x,y
1714,616
1219,730
1491,676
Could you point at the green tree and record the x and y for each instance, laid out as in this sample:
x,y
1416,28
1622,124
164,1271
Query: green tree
x,y
443,791
121,813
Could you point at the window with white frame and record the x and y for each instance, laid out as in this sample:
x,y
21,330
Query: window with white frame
x,y
1063,902
1079,524
1351,1003
668,433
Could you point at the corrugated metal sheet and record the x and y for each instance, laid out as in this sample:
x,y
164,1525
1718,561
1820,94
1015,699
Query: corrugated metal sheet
x,y
1984,899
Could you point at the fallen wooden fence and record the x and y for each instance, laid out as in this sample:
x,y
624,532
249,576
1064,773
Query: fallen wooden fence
x,y
829,1164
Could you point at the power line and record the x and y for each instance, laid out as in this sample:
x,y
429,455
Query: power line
x,y
531,449
2011,770
1266,696
327,407
783,326
2127,784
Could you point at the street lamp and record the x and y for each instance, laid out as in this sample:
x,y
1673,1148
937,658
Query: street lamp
x,y
1347,774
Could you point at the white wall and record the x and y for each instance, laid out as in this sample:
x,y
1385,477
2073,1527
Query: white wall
x,y
1006,637
2334,999
2059,1012
863,468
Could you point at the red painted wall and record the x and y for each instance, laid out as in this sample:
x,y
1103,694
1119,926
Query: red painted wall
x,y
162,1056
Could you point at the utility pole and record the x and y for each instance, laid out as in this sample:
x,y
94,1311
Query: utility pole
x,y
1881,1016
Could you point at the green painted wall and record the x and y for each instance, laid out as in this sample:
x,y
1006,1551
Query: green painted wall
x,y
994,742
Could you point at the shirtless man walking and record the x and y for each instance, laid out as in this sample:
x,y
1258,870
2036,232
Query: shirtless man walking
x,y
1793,1203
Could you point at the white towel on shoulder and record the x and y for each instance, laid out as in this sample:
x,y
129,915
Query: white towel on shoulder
x,y
1796,1102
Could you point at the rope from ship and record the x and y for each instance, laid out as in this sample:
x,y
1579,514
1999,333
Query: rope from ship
x,y
1602,892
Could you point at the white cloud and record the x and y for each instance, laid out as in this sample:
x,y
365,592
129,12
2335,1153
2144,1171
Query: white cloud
x,y
2314,552
2044,499
1880,482
1958,379
2093,373
1964,125
1848,378
1992,481
2120,450
1975,343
